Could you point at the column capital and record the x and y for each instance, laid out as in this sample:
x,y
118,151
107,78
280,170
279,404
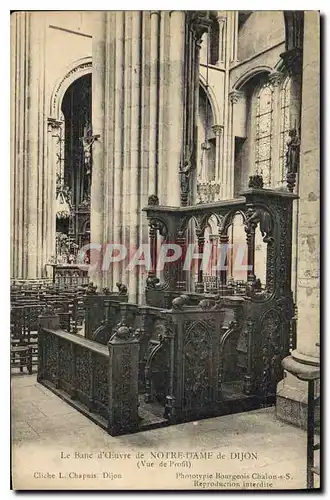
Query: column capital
x,y
235,96
53,124
155,12
221,19
276,78
200,22
217,129
292,60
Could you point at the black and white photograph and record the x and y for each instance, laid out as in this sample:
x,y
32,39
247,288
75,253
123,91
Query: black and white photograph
x,y
165,250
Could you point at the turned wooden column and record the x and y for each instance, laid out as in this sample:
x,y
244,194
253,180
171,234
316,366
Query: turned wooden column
x,y
181,240
250,229
153,247
200,246
222,273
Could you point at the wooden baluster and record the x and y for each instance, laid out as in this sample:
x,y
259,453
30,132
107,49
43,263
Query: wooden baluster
x,y
200,245
181,283
250,228
224,240
153,246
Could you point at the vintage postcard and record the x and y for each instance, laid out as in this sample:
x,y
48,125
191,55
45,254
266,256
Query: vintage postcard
x,y
165,245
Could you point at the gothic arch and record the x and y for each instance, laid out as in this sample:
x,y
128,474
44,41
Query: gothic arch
x,y
212,99
243,79
75,70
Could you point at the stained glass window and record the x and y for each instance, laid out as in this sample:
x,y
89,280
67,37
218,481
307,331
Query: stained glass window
x,y
263,138
285,123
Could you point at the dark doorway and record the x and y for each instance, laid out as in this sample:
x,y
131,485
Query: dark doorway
x,y
75,173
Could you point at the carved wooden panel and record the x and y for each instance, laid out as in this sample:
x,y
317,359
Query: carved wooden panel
x,y
83,370
65,361
197,366
122,387
272,351
50,357
101,380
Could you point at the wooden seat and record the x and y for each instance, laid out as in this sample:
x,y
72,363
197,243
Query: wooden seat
x,y
21,356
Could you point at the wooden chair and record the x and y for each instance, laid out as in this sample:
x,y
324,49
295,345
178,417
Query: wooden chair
x,y
20,346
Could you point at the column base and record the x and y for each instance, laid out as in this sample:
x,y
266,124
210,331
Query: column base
x,y
292,391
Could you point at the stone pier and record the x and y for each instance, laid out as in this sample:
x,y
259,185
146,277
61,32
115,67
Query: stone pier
x,y
291,404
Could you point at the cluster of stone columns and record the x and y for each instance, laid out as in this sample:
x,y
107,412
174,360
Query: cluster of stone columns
x,y
29,176
292,392
223,128
141,76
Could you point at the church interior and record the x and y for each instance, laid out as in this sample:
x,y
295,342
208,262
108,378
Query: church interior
x,y
165,213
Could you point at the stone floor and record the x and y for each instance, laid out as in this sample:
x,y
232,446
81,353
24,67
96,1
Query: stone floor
x,y
55,447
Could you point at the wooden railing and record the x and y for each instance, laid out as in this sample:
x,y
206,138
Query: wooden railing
x,y
100,381
70,274
99,311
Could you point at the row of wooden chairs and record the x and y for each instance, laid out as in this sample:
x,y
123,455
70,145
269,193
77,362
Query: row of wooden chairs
x,y
27,303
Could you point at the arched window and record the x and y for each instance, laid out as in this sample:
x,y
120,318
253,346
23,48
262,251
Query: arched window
x,y
264,132
284,123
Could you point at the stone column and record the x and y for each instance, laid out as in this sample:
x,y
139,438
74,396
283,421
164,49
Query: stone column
x,y
222,39
154,101
163,117
291,392
176,103
228,177
218,132
54,151
135,148
233,27
28,144
139,111
276,79
118,144
99,147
